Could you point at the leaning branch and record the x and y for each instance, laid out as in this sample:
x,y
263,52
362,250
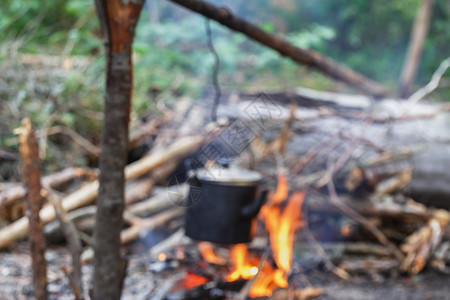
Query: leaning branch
x,y
302,56
432,85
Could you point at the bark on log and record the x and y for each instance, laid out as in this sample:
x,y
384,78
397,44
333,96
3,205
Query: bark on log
x,y
31,174
302,56
87,194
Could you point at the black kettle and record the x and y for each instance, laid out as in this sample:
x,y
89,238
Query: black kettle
x,y
222,205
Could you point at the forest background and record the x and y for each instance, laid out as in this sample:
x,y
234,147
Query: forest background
x,y
52,60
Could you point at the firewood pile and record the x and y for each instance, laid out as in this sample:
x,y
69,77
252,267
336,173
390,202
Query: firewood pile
x,y
372,178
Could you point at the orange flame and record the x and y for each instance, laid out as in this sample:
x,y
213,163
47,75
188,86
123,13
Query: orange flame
x,y
281,226
208,254
282,190
241,267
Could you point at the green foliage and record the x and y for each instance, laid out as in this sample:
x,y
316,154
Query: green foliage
x,y
60,26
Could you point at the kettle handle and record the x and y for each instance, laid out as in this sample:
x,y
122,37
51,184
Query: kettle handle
x,y
251,210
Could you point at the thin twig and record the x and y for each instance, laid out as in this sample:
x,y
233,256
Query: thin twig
x,y
341,273
76,137
432,85
73,241
363,221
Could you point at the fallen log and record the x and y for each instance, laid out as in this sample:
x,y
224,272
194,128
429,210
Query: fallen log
x,y
307,57
88,193
382,140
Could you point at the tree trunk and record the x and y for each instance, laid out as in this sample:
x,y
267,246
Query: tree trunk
x,y
118,20
415,48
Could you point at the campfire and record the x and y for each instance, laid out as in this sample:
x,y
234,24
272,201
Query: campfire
x,y
265,272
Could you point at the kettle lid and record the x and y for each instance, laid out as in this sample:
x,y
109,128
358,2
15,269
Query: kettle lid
x,y
233,175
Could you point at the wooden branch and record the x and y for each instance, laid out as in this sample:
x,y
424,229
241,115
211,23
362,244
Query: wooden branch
x,y
139,190
131,233
76,137
54,180
73,242
169,243
302,56
298,294
432,85
142,133
31,174
349,211
87,194
159,202
421,244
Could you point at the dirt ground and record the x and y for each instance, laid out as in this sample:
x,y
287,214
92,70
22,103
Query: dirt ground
x,y
15,280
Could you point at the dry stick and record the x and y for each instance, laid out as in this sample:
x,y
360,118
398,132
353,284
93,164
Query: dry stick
x,y
76,137
73,284
339,163
142,133
18,192
319,249
362,220
169,243
73,241
302,56
139,190
432,85
31,174
157,203
87,194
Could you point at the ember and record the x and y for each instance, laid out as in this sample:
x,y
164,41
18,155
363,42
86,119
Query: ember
x,y
192,280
